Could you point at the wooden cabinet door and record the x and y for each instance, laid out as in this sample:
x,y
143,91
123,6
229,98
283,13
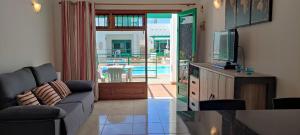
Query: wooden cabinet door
x,y
203,85
226,87
229,88
215,85
222,87
209,78
212,85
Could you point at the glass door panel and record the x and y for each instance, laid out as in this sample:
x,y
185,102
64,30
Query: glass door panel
x,y
121,56
186,50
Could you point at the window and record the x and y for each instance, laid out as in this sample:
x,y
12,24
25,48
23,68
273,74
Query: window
x,y
161,47
121,48
101,20
107,20
128,20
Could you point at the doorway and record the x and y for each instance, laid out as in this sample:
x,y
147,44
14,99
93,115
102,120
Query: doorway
x,y
162,39
140,48
121,54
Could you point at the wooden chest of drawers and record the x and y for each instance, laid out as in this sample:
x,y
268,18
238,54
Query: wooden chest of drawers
x,y
209,83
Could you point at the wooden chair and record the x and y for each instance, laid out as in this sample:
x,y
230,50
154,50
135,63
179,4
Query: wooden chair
x,y
222,105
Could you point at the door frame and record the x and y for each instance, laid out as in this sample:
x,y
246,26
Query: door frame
x,y
109,90
192,12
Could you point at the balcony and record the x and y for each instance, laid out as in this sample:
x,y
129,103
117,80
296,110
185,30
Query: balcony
x,y
126,67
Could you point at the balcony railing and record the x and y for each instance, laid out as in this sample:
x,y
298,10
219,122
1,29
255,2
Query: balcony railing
x,y
134,60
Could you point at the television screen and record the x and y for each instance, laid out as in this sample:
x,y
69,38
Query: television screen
x,y
224,46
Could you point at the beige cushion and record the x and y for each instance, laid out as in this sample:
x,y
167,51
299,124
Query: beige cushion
x,y
27,98
61,88
47,95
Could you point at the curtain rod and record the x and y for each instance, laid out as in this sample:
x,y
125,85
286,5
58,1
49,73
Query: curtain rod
x,y
147,4
144,4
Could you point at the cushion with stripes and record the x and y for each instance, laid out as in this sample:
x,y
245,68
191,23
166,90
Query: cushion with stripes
x,y
27,98
61,88
47,95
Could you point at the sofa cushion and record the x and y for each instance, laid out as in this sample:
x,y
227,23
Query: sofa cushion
x,y
47,95
44,74
61,88
74,117
86,98
27,98
12,84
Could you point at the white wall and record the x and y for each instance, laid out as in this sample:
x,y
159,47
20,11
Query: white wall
x,y
156,30
271,48
58,36
26,38
214,21
173,49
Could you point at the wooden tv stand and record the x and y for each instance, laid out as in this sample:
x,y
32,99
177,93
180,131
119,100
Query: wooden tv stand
x,y
207,83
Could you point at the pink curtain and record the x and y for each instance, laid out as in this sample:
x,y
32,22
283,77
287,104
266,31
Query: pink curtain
x,y
79,45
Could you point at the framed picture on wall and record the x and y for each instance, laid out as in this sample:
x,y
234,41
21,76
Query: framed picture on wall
x,y
261,11
230,13
243,13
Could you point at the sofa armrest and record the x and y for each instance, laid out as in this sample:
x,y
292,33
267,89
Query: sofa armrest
x,y
38,112
80,85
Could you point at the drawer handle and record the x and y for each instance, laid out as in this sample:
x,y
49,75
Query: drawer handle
x,y
193,93
193,104
211,97
193,82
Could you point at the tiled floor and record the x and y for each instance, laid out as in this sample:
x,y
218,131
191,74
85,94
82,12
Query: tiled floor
x,y
164,79
161,91
135,117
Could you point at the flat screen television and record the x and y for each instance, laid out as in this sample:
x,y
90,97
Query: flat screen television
x,y
225,46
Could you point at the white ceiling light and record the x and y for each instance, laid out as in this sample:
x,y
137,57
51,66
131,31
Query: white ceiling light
x,y
218,3
36,6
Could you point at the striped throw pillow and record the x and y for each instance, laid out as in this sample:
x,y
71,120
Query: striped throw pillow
x,y
27,98
61,88
47,95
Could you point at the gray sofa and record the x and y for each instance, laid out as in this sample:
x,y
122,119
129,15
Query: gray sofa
x,y
65,118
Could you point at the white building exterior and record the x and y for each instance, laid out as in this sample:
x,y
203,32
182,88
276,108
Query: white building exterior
x,y
105,39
